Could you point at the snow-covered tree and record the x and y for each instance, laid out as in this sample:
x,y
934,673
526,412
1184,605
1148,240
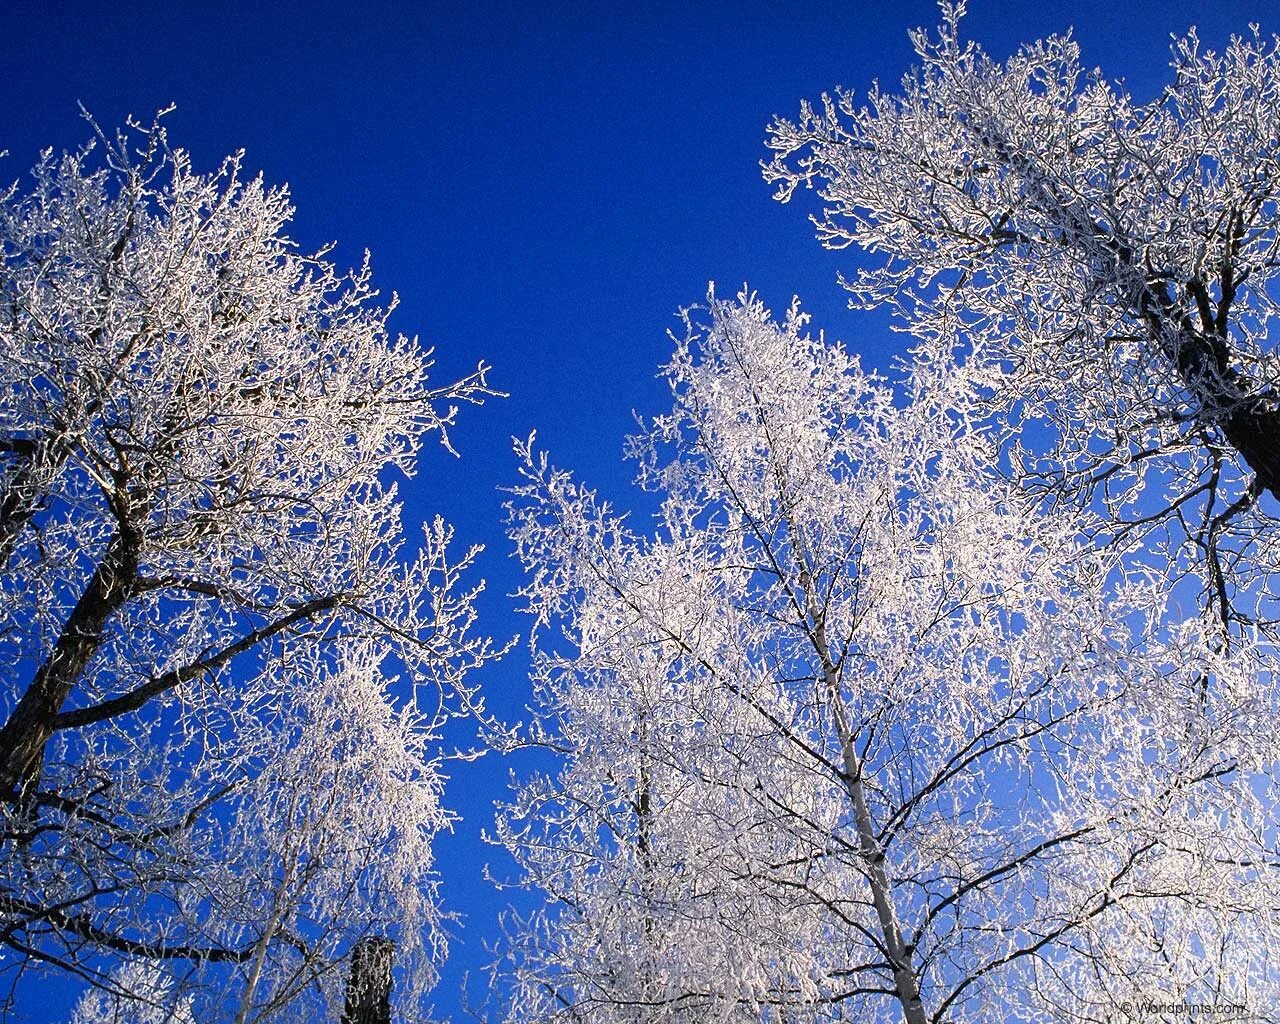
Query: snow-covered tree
x,y
1106,267
227,663
859,734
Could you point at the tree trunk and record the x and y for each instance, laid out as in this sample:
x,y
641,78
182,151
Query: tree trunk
x,y
26,733
1246,413
369,985
906,978
906,983
18,498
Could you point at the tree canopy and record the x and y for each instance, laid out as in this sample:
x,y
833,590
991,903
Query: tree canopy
x,y
861,733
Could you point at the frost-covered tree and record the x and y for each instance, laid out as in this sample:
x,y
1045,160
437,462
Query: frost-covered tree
x,y
226,662
1107,268
858,734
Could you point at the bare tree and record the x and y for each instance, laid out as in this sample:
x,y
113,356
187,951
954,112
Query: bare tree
x,y
208,596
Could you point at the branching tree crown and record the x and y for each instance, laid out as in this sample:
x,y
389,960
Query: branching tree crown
x,y
860,734
1107,268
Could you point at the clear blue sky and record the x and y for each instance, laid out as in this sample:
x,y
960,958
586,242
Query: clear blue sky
x,y
543,189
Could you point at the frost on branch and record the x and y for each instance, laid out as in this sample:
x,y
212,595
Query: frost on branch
x,y
229,666
856,733
1105,267
136,993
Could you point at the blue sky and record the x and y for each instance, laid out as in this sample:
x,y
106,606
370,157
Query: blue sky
x,y
543,187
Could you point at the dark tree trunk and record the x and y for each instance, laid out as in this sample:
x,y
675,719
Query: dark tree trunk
x,y
1193,335
18,498
1247,414
369,985
25,735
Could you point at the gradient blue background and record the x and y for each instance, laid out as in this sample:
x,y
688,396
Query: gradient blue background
x,y
544,188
